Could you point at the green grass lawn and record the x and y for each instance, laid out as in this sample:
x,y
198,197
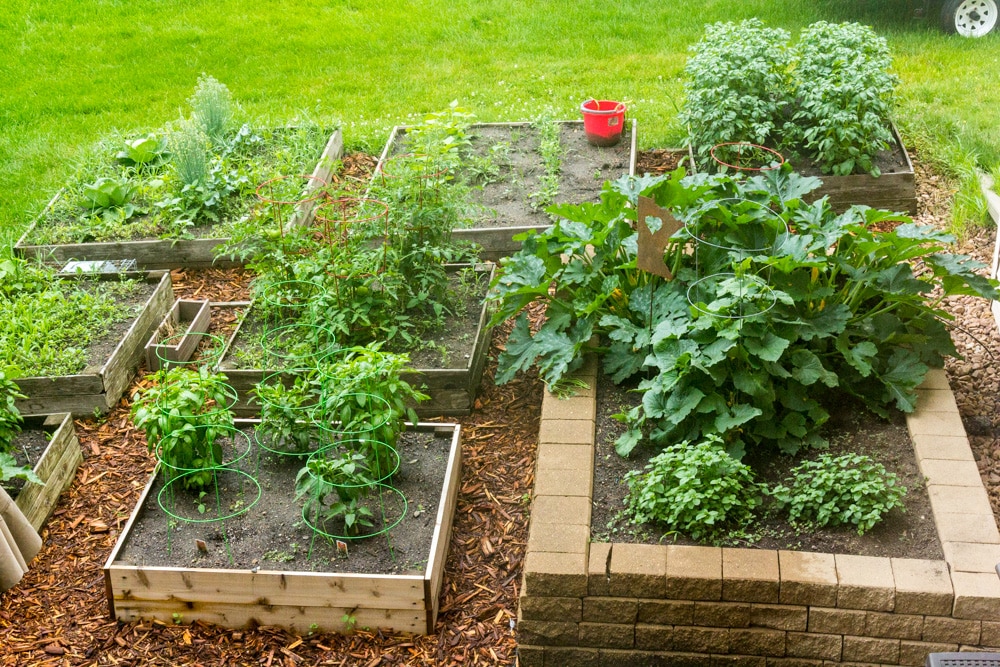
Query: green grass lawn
x,y
70,72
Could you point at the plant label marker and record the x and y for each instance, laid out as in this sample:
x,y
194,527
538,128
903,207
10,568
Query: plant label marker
x,y
653,243
342,548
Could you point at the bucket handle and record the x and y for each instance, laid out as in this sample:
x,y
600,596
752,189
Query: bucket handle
x,y
620,107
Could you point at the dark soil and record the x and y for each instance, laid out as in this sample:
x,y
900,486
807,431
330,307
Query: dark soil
x,y
101,348
29,445
851,429
271,533
509,199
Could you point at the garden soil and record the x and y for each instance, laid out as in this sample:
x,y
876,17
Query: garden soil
x,y
58,613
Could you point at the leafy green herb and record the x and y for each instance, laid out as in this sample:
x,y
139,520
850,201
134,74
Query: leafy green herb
x,y
832,491
693,489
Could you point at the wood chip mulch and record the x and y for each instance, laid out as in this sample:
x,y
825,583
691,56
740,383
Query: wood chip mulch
x,y
58,614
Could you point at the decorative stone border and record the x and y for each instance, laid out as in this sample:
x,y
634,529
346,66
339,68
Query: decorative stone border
x,y
586,603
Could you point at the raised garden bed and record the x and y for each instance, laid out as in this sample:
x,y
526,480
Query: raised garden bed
x,y
99,386
176,338
166,253
452,386
53,452
285,585
507,202
618,603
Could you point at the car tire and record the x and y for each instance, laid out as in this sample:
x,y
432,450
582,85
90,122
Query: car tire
x,y
969,18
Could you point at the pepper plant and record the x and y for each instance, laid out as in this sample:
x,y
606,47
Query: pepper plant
x,y
846,308
183,415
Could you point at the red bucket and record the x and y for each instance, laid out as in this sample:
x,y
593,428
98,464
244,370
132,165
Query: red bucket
x,y
603,121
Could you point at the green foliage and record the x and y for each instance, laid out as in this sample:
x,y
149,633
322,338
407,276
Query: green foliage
x,y
842,308
212,108
333,487
737,88
550,151
832,491
144,153
47,325
9,469
10,417
842,123
828,97
286,414
362,391
696,489
183,415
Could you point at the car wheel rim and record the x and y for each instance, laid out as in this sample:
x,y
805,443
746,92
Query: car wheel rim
x,y
975,18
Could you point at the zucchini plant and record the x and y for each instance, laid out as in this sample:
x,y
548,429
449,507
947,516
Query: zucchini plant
x,y
852,309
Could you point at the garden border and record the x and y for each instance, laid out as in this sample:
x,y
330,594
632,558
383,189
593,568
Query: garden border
x,y
586,603
56,468
303,602
197,314
98,388
196,253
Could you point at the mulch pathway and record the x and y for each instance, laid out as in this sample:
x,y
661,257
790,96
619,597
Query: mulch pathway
x,y
58,614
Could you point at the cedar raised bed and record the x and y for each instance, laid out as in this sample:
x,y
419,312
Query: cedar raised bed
x,y
300,601
98,388
186,319
452,391
517,216
56,468
161,253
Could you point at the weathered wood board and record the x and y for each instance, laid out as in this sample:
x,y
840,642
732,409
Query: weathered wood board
x,y
164,253
56,468
300,601
196,316
98,388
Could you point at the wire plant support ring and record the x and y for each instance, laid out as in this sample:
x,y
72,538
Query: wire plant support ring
x,y
742,156
272,193
730,236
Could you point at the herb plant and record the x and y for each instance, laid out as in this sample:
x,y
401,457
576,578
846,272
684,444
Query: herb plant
x,y
694,489
845,309
183,415
48,324
831,491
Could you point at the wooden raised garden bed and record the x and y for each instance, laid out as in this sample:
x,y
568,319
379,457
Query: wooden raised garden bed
x,y
452,391
98,387
894,190
180,327
159,253
56,468
507,198
302,601
620,603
